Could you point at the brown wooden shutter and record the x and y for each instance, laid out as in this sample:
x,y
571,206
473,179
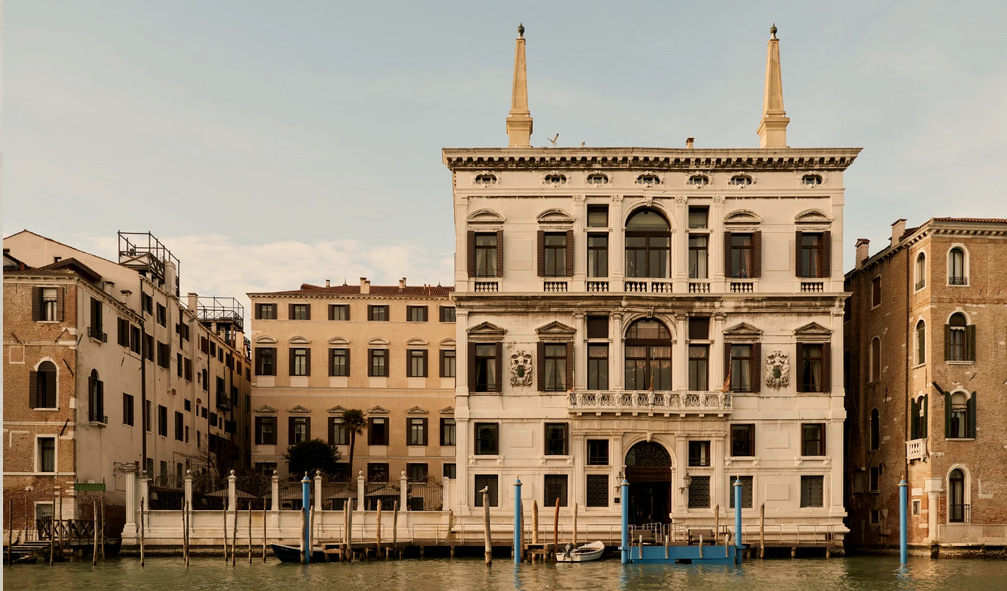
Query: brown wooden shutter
x,y
540,372
569,366
290,355
470,250
827,367
59,303
798,238
332,356
426,431
307,309
332,430
540,253
33,389
569,253
426,365
727,254
307,434
947,342
499,364
970,342
757,254
307,363
290,311
827,254
799,369
500,253
36,302
258,311
757,368
472,367
727,363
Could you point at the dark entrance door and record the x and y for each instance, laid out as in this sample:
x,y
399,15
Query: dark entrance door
x,y
648,470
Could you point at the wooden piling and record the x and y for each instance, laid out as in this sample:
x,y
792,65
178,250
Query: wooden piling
x,y
575,508
555,534
716,524
263,531
345,550
349,531
524,537
10,532
762,531
234,537
61,525
225,532
186,517
377,533
534,522
304,534
94,550
395,528
52,530
487,537
103,540
249,532
141,533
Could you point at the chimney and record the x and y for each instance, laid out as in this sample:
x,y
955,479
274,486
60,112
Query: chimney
x,y
863,251
402,284
898,229
328,283
193,302
365,286
689,141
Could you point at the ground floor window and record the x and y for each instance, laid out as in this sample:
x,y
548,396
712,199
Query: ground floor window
x,y
812,491
597,490
489,482
555,488
746,491
699,492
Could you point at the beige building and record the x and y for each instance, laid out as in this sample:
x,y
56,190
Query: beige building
x,y
925,362
388,351
97,350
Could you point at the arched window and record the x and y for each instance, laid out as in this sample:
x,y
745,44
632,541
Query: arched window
x,y
960,425
959,339
921,342
957,509
42,386
956,267
918,418
648,356
875,430
921,271
875,359
648,244
95,398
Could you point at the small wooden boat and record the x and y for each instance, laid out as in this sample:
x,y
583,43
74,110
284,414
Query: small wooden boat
x,y
293,553
585,553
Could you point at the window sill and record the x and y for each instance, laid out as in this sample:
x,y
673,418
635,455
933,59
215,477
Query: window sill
x,y
807,458
963,362
46,409
742,458
959,439
919,365
48,321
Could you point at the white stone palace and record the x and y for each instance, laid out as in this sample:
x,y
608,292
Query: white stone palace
x,y
668,315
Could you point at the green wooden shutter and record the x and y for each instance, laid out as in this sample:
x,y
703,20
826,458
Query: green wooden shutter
x,y
470,251
799,370
798,239
33,389
947,415
499,367
500,253
290,360
827,367
36,301
926,409
471,364
569,366
540,362
947,342
914,412
307,362
970,342
540,253
426,431
972,416
826,254
727,254
569,253
290,430
756,367
756,254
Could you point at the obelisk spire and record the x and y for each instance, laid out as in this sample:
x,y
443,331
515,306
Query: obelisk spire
x,y
773,128
519,121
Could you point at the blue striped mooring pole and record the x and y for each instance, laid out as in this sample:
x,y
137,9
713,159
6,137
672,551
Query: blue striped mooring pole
x,y
903,548
517,521
737,521
305,503
625,521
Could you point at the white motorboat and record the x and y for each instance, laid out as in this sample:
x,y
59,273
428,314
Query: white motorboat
x,y
585,553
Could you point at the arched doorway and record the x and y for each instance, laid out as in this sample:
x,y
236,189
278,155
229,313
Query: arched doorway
x,y
957,509
648,470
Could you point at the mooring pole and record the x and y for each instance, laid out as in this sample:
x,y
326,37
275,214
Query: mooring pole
x,y
517,521
306,502
555,534
737,521
903,549
624,546
487,536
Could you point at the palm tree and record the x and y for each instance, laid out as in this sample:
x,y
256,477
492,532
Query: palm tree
x,y
353,421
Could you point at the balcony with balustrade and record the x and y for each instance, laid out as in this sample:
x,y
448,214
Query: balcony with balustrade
x,y
667,403
916,449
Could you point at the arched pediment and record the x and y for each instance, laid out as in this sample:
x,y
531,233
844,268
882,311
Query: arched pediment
x,y
742,216
299,410
417,342
265,340
264,409
448,343
339,341
555,216
485,216
812,216
299,340
377,341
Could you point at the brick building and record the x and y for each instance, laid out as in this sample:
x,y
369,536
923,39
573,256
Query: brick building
x,y
925,366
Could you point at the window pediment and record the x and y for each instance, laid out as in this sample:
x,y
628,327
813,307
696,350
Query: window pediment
x,y
377,410
299,410
813,329
555,216
339,341
812,216
448,410
264,410
486,330
485,216
448,343
299,340
742,216
336,410
556,329
743,330
265,340
378,342
417,342
417,411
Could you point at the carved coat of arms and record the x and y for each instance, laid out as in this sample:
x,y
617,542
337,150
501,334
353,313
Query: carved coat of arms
x,y
777,369
520,369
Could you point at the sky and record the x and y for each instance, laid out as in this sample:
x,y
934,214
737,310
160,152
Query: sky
x,y
270,144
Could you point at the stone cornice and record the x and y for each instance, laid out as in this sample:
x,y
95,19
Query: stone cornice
x,y
651,159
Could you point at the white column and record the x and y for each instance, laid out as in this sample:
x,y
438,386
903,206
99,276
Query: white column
x,y
445,493
231,492
717,376
837,354
403,492
461,410
933,487
680,246
360,491
275,492
130,525
580,352
680,354
579,244
616,365
718,486
579,453
682,451
318,490
715,250
617,244
145,497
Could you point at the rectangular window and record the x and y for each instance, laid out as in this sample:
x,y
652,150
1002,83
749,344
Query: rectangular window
x,y
597,327
597,452
487,439
486,254
179,365
699,453
741,368
265,311
812,368
377,313
187,369
300,311
557,439
135,343
122,331
96,401
813,439
162,315
490,483
416,472
96,331
377,363
597,490
266,468
163,355
148,347
742,440
448,433
147,417
42,386
698,260
741,256
450,471
127,409
265,430
179,427
555,254
812,249
300,362
265,361
300,430
377,472
162,420
448,363
746,491
876,291
339,312
377,431
338,433
875,479
597,367
417,363
46,454
597,255
699,492
597,216
447,313
416,431
486,363
699,367
339,363
416,313
698,216
147,303
49,311
812,491
555,367
556,487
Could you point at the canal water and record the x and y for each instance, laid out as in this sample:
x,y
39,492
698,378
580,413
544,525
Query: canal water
x,y
211,574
